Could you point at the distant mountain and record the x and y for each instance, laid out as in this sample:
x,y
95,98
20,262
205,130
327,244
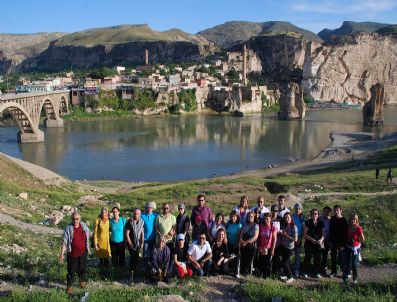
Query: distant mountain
x,y
350,27
234,32
391,29
124,34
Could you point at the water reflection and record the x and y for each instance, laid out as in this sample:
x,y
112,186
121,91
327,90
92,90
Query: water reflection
x,y
172,148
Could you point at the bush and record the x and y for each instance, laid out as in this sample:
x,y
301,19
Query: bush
x,y
188,97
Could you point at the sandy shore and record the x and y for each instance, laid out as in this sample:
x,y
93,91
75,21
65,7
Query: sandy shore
x,y
343,148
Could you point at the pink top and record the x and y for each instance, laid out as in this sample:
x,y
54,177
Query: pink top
x,y
353,237
266,236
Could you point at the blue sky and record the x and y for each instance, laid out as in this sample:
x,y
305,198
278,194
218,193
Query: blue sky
x,y
30,16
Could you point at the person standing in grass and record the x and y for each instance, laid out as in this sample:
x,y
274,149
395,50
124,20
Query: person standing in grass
x,y
326,219
183,224
166,226
220,253
233,230
135,234
267,244
149,219
260,208
389,176
243,209
351,259
337,238
102,240
75,242
299,221
201,210
289,235
117,242
215,226
248,237
313,233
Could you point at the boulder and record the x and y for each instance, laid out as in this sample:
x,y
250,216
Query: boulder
x,y
55,217
88,199
373,109
13,248
23,196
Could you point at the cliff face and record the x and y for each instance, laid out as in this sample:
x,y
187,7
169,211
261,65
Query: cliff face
x,y
282,56
57,58
347,72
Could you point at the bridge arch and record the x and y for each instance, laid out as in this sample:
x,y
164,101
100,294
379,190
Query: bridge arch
x,y
49,108
63,106
20,116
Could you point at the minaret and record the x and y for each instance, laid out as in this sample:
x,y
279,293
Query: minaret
x,y
146,57
244,65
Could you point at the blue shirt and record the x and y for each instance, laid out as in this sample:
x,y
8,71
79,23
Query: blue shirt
x,y
117,230
232,232
149,222
299,221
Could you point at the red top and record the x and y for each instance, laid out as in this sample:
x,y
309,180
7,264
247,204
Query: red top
x,y
78,242
353,236
266,236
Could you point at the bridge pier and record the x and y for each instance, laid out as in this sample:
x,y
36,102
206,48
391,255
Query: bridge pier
x,y
31,137
57,123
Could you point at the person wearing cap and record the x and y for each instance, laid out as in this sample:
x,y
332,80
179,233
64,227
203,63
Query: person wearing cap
x,y
198,228
183,223
282,209
180,257
102,240
117,242
149,220
161,260
260,208
201,210
166,226
299,221
199,255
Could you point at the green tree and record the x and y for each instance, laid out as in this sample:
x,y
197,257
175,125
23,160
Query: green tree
x,y
188,97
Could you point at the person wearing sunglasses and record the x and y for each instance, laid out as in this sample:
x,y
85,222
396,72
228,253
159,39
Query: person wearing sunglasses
x,y
75,242
166,226
200,256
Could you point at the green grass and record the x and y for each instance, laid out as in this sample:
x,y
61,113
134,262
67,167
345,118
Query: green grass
x,y
325,291
79,114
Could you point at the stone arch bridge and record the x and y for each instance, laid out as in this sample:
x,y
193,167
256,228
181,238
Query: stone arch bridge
x,y
26,108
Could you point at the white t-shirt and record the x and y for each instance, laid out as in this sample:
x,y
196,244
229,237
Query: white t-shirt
x,y
198,251
282,213
262,211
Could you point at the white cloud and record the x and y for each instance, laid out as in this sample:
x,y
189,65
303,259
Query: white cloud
x,y
335,7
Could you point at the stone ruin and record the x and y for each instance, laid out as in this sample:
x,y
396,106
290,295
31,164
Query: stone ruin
x,y
373,109
292,105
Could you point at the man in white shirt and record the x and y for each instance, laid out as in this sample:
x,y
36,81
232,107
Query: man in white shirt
x,y
260,208
282,209
200,254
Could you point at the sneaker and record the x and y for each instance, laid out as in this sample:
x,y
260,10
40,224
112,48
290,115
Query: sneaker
x,y
69,290
289,280
238,276
305,276
318,276
355,282
284,278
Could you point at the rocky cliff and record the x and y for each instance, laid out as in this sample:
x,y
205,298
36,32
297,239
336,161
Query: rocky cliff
x,y
346,72
61,57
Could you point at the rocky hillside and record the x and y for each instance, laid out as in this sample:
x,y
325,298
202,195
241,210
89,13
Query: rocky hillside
x,y
350,27
231,33
346,71
391,29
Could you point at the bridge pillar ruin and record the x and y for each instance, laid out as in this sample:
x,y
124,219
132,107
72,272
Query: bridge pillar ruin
x,y
50,123
31,137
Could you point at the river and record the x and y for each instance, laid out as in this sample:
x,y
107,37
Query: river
x,y
170,148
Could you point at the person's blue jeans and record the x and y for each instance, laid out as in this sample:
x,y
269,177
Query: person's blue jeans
x,y
297,261
350,262
205,271
148,247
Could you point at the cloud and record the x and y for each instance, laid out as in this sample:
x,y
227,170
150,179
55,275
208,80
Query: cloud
x,y
336,7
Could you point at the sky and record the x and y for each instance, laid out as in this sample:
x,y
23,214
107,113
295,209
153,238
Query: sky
x,y
31,16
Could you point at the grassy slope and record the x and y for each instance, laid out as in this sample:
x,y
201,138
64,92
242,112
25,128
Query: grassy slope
x,y
377,215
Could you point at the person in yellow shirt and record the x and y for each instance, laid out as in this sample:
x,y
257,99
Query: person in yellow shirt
x,y
102,240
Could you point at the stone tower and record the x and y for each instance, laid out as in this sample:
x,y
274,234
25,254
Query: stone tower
x,y
146,57
292,105
244,65
373,109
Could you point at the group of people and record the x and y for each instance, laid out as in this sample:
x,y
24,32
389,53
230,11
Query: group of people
x,y
253,240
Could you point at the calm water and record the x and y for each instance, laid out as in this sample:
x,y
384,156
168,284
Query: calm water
x,y
176,148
